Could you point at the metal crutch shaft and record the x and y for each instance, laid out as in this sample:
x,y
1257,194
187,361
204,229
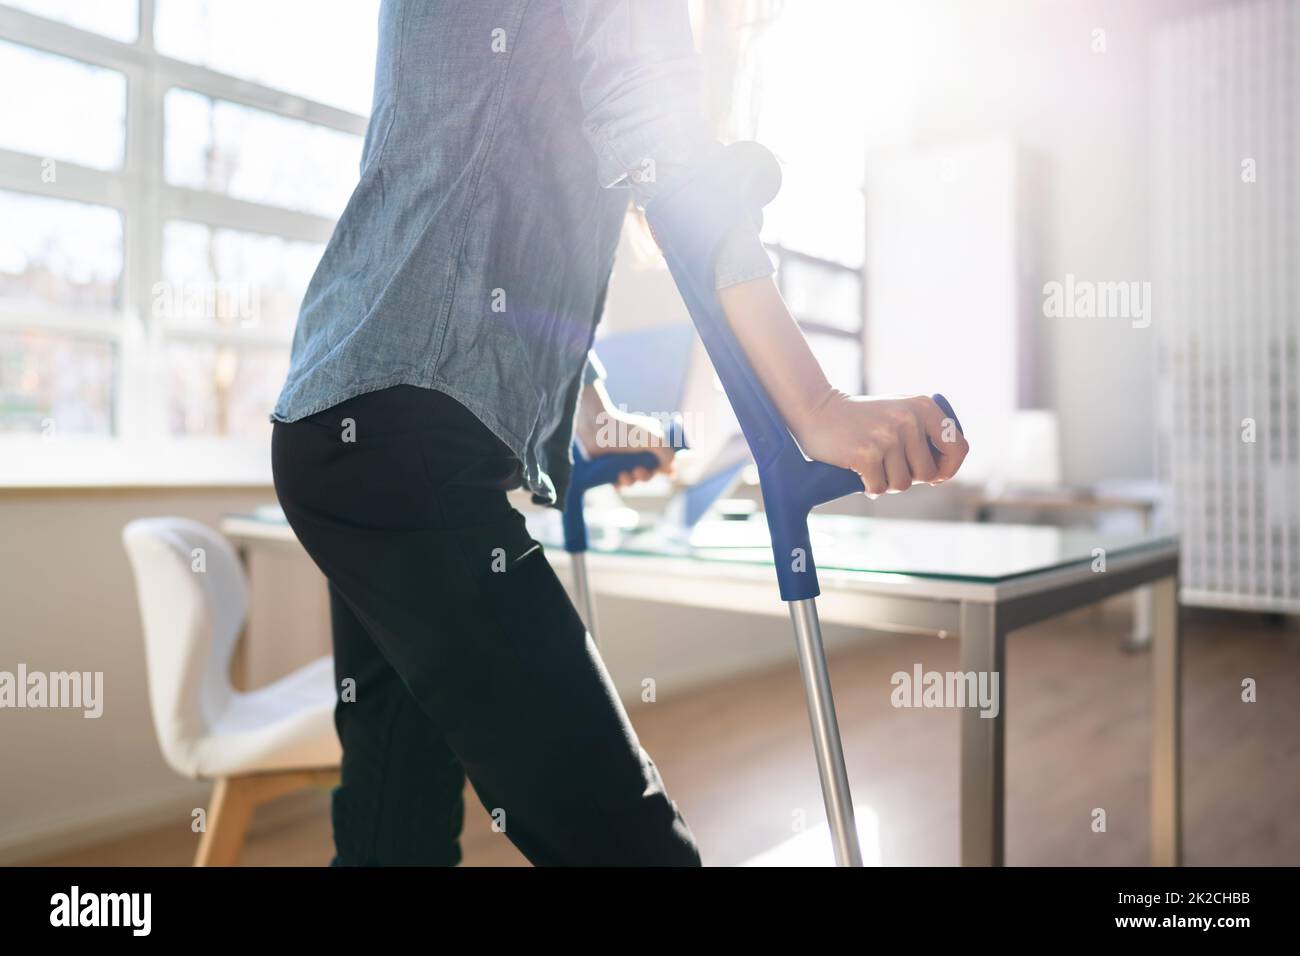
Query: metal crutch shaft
x,y
588,473
586,599
826,732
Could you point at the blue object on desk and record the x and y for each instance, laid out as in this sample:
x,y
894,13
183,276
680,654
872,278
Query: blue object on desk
x,y
701,496
646,369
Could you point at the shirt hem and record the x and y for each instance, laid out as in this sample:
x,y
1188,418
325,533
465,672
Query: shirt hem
x,y
491,422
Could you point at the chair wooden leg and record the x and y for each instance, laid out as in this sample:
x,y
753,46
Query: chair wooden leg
x,y
229,812
235,798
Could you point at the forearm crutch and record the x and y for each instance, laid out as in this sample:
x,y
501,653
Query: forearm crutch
x,y
689,224
590,473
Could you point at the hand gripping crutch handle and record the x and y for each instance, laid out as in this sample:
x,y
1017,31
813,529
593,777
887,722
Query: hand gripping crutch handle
x,y
589,473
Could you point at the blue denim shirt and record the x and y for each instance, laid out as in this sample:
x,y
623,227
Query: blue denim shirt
x,y
473,255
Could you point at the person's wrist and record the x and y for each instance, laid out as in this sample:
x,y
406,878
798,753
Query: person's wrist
x,y
811,413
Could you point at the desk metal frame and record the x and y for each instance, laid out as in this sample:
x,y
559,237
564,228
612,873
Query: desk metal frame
x,y
981,614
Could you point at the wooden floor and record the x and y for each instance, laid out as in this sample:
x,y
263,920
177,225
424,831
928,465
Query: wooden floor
x,y
736,757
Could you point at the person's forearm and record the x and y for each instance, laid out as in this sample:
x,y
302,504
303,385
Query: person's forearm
x,y
890,442
777,350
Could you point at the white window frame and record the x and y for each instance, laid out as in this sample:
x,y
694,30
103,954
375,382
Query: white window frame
x,y
141,451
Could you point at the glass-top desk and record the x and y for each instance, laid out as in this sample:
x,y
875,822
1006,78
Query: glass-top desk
x,y
977,582
975,553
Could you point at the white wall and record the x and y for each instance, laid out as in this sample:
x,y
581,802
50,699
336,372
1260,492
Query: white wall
x,y
68,603
960,72
1027,71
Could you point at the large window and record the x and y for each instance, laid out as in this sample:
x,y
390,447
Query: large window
x,y
799,70
168,179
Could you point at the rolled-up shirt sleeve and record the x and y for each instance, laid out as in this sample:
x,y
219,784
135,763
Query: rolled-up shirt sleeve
x,y
741,258
641,85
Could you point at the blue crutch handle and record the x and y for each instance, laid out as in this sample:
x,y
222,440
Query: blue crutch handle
x,y
830,482
947,412
589,473
689,223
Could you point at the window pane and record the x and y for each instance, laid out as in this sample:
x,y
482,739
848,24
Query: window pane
x,y
817,219
320,49
840,359
118,19
809,111
232,279
53,385
60,254
824,294
222,390
257,156
68,109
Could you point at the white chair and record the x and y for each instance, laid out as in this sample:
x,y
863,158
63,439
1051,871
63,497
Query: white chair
x,y
255,745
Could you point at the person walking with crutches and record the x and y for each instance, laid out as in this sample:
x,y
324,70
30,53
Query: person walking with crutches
x,y
441,359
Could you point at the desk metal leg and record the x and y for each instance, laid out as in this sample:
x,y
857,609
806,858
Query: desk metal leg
x,y
983,765
586,600
826,733
1139,638
1166,727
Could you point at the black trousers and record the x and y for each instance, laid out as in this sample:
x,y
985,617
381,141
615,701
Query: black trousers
x,y
457,652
